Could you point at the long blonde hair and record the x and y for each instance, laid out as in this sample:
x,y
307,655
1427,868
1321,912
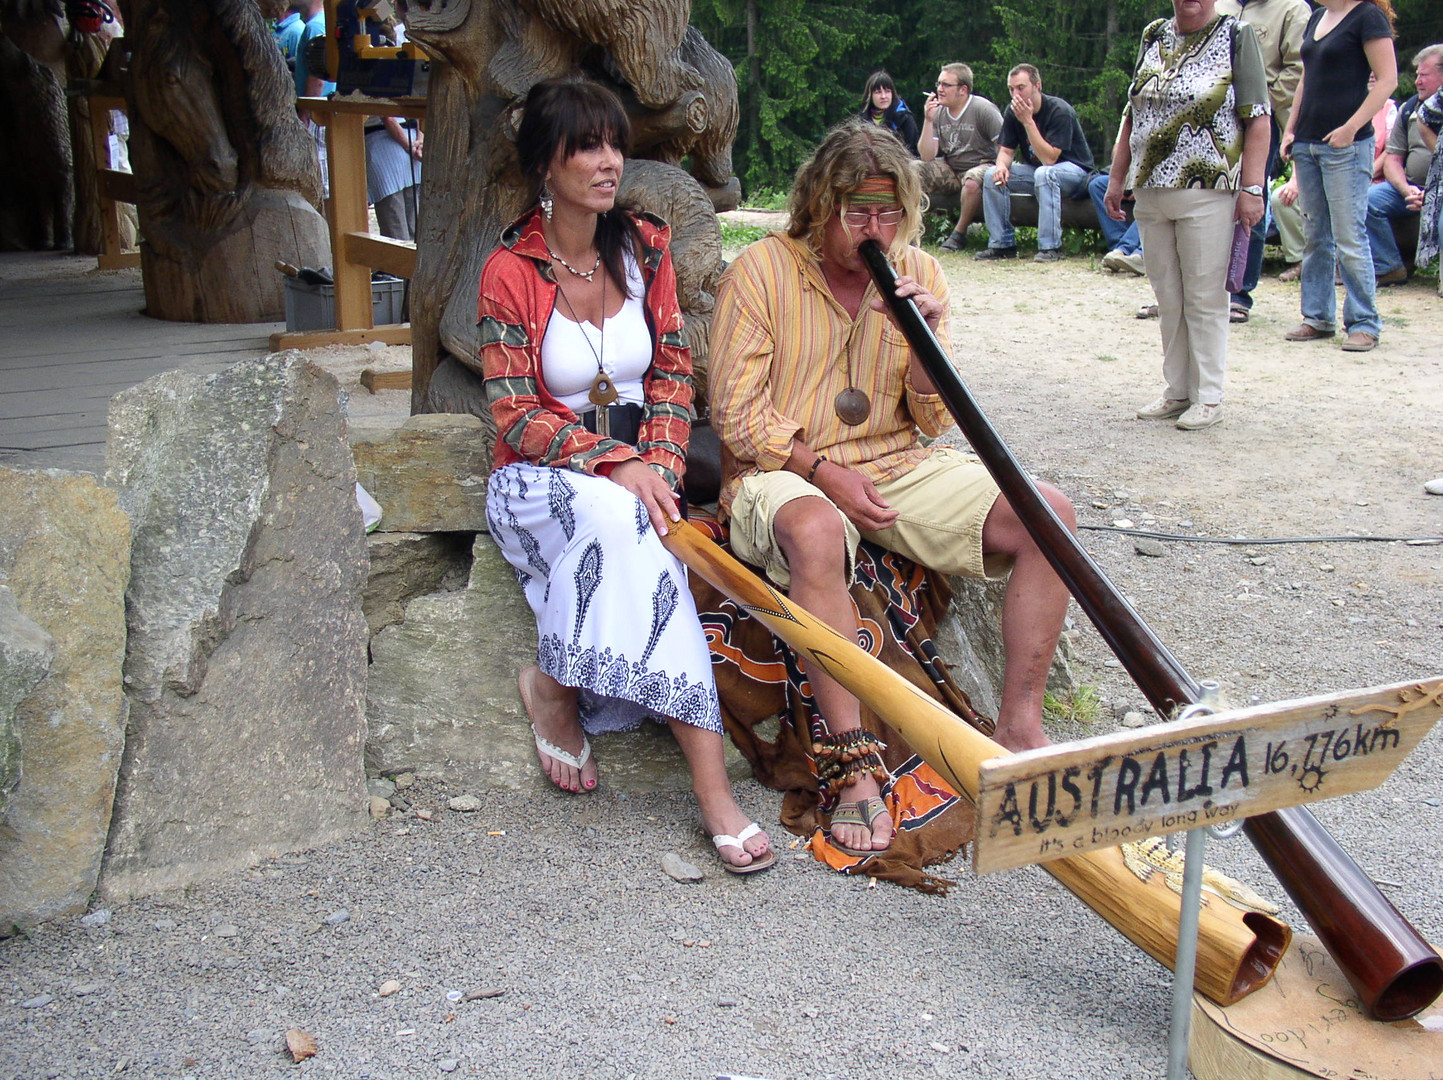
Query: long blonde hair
x,y
850,152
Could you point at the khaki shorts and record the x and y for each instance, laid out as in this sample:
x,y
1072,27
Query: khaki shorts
x,y
976,173
941,507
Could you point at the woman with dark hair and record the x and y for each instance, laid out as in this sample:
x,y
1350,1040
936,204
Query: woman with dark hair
x,y
589,380
881,105
1330,142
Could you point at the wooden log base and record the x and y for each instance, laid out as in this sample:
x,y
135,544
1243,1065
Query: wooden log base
x,y
1308,1023
375,381
395,334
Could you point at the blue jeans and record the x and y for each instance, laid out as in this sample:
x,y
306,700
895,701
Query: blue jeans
x,y
1049,183
1385,204
1258,237
1117,235
1333,194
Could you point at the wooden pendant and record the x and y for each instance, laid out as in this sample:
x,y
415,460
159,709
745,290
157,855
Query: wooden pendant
x,y
603,391
853,406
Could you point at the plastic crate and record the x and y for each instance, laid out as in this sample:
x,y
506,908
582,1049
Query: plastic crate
x,y
313,307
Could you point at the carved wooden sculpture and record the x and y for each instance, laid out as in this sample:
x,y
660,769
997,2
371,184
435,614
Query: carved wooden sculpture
x,y
227,180
681,97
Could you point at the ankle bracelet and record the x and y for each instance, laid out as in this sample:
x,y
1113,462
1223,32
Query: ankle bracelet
x,y
846,757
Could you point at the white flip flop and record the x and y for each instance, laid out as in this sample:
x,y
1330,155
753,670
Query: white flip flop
x,y
759,862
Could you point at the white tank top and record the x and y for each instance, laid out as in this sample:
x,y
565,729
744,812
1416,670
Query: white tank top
x,y
569,350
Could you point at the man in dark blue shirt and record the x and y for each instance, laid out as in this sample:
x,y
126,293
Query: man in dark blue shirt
x,y
1041,151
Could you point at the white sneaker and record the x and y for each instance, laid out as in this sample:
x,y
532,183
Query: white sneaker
x,y
1164,408
1201,416
1116,260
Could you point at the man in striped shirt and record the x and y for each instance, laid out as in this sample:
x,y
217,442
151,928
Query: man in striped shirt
x,y
822,404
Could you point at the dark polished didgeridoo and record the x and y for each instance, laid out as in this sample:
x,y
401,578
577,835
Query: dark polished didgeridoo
x,y
1394,971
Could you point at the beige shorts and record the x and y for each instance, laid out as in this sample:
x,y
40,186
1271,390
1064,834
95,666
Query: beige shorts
x,y
941,507
977,172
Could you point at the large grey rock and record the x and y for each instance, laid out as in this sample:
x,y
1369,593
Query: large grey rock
x,y
429,475
443,698
64,559
245,667
970,640
26,652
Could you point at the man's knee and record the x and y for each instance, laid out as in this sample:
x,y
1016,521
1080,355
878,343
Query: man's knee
x,y
812,537
1005,532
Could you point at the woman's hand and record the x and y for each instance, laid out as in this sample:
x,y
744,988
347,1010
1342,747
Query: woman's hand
x,y
1288,193
1285,146
1248,209
928,305
1113,201
641,480
1340,138
854,495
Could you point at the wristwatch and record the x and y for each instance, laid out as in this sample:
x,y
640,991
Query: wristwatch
x,y
1252,189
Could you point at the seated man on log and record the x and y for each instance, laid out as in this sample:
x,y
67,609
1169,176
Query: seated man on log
x,y
958,142
822,407
1041,151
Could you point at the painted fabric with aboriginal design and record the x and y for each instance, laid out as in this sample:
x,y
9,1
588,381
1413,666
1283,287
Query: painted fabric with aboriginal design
x,y
1190,98
768,709
614,616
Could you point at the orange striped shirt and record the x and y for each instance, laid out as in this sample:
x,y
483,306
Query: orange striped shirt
x,y
780,345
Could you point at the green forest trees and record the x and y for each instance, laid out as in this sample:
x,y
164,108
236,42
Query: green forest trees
x,y
801,64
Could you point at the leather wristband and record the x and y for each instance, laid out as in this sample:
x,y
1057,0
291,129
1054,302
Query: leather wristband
x,y
812,472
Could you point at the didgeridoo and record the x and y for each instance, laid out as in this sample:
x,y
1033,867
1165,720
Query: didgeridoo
x,y
1395,972
1237,951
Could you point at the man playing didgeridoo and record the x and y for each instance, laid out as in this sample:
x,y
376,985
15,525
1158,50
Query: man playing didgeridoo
x,y
820,400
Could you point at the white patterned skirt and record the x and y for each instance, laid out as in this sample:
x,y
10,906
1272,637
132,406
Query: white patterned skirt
x,y
614,615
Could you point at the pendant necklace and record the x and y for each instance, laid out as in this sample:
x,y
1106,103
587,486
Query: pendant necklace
x,y
852,405
603,390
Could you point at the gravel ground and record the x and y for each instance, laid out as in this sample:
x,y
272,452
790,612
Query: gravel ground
x,y
595,964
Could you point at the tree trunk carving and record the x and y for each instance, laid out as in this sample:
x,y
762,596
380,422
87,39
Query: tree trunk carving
x,y
226,176
681,96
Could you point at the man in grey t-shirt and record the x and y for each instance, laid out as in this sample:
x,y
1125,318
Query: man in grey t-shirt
x,y
1405,169
958,142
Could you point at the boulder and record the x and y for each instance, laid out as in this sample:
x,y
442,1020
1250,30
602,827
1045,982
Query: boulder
x,y
64,559
246,659
970,640
442,697
429,475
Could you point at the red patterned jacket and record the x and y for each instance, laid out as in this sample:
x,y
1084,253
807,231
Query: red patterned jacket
x,y
518,290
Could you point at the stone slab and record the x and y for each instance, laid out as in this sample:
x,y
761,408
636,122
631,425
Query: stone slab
x,y
429,475
64,557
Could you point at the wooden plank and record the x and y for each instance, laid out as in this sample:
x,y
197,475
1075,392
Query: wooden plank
x,y
1101,792
396,257
411,108
123,261
375,381
117,186
346,156
394,334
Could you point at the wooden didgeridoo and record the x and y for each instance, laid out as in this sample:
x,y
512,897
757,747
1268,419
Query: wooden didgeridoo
x,y
1394,971
1237,951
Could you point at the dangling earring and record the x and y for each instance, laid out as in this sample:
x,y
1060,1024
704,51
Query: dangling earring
x,y
547,205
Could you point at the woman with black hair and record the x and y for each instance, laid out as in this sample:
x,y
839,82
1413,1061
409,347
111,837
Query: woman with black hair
x,y
589,380
882,105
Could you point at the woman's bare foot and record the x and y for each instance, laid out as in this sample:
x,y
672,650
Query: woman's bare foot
x,y
554,720
858,837
731,822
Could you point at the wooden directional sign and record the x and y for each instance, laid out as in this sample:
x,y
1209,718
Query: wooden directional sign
x,y
1101,792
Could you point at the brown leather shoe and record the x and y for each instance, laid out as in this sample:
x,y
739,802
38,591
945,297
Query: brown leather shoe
x,y
1292,273
1304,332
1393,277
1358,341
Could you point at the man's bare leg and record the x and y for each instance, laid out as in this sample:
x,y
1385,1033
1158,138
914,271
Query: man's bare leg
x,y
1032,614
811,536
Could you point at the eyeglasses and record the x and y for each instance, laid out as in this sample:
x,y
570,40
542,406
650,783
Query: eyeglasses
x,y
859,219
947,85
